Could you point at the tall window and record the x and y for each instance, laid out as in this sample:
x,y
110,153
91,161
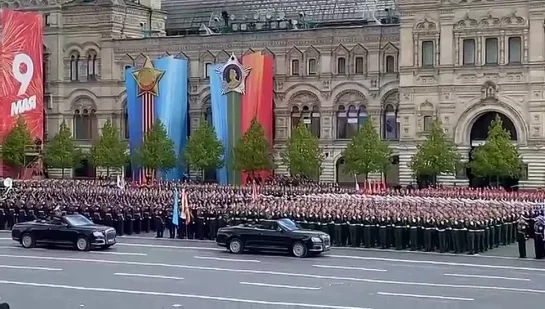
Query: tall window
x,y
428,51
295,116
514,50
295,67
390,64
310,117
312,66
208,116
315,121
491,46
91,66
207,67
349,122
74,65
341,122
84,124
391,126
428,120
469,51
359,65
341,65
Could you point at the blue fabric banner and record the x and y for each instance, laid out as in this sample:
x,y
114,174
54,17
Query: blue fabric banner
x,y
171,107
175,208
134,110
219,119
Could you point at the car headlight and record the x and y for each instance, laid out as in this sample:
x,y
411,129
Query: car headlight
x,y
98,234
316,239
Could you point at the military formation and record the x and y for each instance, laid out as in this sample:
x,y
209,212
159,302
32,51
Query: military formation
x,y
395,219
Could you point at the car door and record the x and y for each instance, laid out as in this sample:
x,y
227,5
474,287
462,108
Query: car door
x,y
60,233
41,232
252,236
275,237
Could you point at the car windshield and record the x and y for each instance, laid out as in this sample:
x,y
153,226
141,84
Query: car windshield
x,y
78,220
288,225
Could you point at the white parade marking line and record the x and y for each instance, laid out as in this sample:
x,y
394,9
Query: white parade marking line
x,y
349,268
119,253
425,296
148,276
30,268
486,277
91,252
5,238
179,295
367,258
293,287
278,273
169,247
224,259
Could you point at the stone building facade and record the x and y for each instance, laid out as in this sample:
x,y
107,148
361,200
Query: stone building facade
x,y
449,60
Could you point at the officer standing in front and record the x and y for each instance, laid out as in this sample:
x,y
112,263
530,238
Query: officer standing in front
x,y
521,237
159,224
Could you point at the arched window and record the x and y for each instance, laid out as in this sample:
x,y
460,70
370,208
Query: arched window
x,y
362,116
353,122
312,67
341,122
391,126
295,67
341,65
311,119
92,65
74,65
349,122
390,64
295,116
208,115
85,124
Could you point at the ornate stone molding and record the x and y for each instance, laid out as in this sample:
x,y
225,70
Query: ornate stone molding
x,y
490,22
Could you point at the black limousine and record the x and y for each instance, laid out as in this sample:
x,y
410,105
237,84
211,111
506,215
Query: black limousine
x,y
277,235
68,230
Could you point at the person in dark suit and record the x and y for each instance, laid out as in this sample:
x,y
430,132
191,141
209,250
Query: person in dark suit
x,y
4,306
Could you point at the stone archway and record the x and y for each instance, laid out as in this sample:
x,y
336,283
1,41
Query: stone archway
x,y
478,135
479,129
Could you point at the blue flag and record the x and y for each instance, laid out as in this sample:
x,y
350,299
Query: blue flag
x,y
176,208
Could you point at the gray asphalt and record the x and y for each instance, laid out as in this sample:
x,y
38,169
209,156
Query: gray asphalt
x,y
146,273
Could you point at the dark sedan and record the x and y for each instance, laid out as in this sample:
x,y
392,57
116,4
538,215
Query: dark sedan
x,y
69,230
279,235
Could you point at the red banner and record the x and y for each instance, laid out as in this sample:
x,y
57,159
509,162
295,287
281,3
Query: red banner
x,y
21,69
258,100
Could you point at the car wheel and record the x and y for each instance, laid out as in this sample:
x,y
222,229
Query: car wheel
x,y
82,244
236,246
299,250
28,241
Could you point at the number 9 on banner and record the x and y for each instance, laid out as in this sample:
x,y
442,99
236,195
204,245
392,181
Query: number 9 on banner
x,y
22,76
